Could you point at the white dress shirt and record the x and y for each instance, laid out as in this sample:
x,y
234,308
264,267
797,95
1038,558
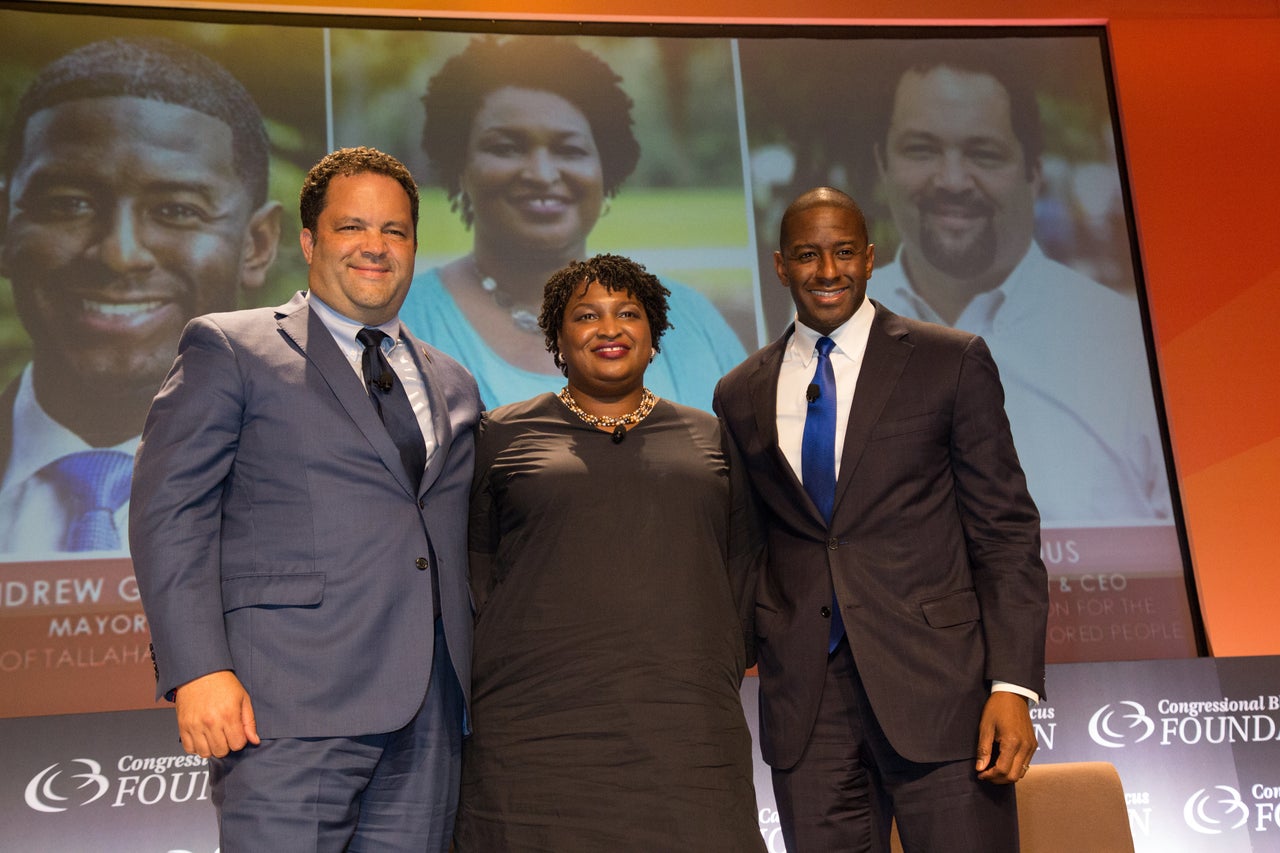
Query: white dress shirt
x,y
344,331
799,362
1077,389
33,519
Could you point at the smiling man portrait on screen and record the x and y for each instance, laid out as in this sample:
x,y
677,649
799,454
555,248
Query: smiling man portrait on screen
x,y
134,198
959,161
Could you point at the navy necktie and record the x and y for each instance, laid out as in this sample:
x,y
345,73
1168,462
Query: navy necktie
x,y
818,455
392,404
94,484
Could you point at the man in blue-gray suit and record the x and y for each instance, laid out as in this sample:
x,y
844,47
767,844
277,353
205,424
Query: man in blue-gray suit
x,y
298,526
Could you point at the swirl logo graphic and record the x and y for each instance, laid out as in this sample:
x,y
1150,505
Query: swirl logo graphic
x,y
1104,734
1206,814
43,791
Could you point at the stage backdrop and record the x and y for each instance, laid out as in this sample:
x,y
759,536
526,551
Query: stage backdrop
x,y
729,127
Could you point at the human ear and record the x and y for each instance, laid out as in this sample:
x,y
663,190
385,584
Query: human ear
x,y
262,238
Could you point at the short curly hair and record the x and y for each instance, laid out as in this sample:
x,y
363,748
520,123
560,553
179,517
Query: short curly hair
x,y
346,162
613,273
543,63
153,69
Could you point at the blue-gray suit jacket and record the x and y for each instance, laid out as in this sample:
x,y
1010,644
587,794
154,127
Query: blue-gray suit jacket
x,y
274,532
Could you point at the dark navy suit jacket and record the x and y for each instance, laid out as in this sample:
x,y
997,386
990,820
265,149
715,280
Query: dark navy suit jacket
x,y
933,547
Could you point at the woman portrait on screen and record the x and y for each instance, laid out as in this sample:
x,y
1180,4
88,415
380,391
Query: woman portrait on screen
x,y
613,558
530,138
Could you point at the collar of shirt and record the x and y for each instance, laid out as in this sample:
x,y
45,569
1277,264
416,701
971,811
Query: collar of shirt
x,y
850,338
344,331
798,365
38,439
982,314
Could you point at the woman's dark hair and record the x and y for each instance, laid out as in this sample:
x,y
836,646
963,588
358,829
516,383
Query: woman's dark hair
x,y
541,63
613,272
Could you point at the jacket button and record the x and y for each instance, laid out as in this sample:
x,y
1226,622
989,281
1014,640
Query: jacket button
x,y
422,503
826,612
833,544
422,563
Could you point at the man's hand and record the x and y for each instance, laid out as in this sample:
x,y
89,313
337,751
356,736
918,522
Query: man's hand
x,y
215,715
1006,726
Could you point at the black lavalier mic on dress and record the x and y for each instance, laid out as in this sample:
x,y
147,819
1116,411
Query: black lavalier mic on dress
x,y
812,393
619,433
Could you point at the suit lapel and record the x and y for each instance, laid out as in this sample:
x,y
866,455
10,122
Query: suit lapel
x,y
882,365
436,396
763,387
311,335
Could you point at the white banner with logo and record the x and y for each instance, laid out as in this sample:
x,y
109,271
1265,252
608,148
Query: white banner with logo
x,y
1197,744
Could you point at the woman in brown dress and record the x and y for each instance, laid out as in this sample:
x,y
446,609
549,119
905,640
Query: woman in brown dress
x,y
613,562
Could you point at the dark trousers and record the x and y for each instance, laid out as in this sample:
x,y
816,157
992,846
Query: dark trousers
x,y
850,783
392,791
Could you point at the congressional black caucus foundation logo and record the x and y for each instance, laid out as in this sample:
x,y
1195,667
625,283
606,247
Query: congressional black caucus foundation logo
x,y
1212,811
130,781
1120,723
1187,723
45,790
1222,809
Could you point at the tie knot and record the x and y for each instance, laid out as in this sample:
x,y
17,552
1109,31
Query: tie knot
x,y
94,484
371,337
94,479
825,346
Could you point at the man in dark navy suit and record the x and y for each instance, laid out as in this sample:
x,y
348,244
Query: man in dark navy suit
x,y
901,616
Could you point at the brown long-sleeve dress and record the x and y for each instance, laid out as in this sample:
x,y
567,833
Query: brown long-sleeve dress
x,y
614,583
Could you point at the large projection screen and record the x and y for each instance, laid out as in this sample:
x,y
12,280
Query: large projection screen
x,y
731,123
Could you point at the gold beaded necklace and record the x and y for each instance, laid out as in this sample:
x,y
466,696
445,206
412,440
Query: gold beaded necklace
x,y
619,424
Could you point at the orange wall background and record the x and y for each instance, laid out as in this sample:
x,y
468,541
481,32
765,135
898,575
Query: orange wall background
x,y
1197,83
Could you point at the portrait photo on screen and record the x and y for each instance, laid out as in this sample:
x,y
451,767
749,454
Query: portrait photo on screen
x,y
150,170
151,166
149,174
1006,224
535,150
987,169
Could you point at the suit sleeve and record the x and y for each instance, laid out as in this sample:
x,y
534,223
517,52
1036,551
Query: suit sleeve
x,y
1001,525
746,544
188,445
482,525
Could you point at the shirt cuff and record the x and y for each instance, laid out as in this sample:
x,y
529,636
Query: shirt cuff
x,y
1006,687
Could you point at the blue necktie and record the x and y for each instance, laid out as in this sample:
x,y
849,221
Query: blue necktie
x,y
94,484
818,455
392,404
